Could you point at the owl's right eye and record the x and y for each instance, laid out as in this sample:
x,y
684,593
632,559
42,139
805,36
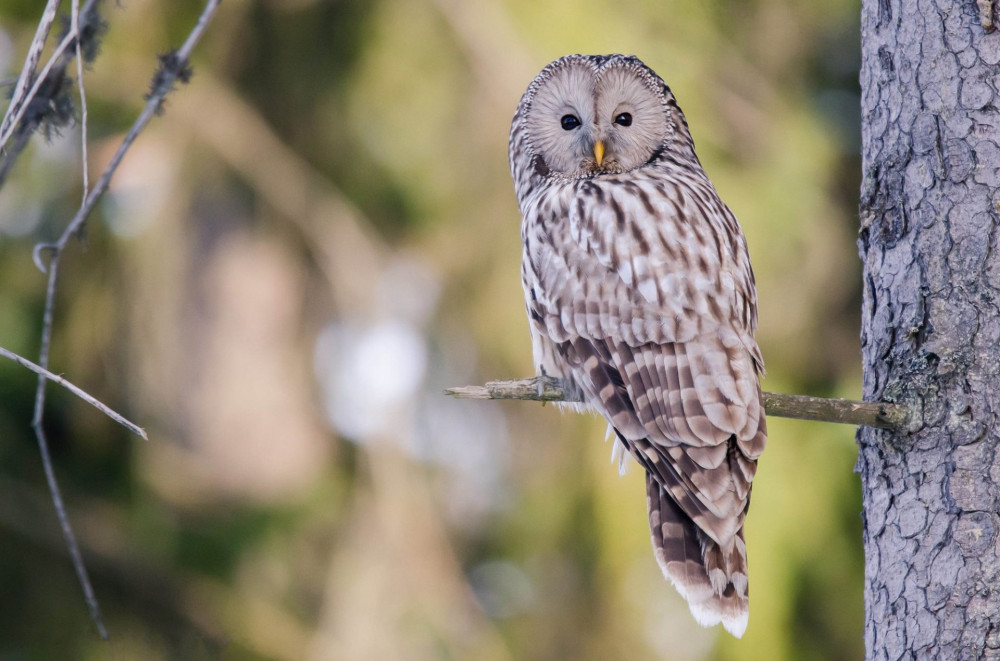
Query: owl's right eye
x,y
569,122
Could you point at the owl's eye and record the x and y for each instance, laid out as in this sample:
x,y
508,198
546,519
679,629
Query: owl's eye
x,y
624,119
569,122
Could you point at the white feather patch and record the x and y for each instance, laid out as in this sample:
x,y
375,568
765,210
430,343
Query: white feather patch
x,y
620,455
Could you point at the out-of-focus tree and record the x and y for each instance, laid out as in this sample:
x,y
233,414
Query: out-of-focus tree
x,y
317,236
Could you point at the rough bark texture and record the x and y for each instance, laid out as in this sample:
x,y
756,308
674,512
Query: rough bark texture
x,y
931,328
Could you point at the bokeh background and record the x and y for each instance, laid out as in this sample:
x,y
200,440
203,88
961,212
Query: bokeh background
x,y
317,237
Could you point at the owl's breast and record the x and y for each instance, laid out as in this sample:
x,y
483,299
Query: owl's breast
x,y
636,257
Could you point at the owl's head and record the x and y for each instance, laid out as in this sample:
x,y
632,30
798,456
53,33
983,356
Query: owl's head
x,y
587,115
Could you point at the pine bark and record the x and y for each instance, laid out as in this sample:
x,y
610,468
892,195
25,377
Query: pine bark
x,y
930,196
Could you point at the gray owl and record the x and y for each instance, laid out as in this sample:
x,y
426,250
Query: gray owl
x,y
641,298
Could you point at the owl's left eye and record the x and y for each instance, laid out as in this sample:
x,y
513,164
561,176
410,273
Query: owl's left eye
x,y
569,122
624,119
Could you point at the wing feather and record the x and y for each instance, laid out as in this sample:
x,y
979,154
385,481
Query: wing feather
x,y
653,314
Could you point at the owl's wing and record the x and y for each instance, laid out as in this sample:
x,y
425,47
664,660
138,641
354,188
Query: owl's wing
x,y
650,295
706,470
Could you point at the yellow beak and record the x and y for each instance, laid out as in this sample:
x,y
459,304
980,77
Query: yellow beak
x,y
599,151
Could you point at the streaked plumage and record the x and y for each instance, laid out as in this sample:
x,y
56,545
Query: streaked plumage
x,y
640,296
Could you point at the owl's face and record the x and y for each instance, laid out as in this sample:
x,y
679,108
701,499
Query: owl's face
x,y
592,115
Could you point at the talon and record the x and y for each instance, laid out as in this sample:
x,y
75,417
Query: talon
x,y
540,383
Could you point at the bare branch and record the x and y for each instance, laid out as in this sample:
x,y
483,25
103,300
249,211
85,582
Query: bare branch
x,y
18,100
75,27
76,390
536,389
173,67
67,530
18,125
184,52
18,112
800,407
885,415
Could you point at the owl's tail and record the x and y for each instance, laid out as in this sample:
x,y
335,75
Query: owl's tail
x,y
714,586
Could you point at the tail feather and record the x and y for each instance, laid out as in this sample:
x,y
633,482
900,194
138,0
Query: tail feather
x,y
713,582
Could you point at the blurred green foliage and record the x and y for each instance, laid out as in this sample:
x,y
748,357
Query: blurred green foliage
x,y
318,235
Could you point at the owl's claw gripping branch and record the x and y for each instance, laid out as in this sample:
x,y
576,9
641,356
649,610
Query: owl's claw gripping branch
x,y
801,407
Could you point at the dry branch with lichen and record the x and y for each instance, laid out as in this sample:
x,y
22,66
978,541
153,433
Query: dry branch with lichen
x,y
801,407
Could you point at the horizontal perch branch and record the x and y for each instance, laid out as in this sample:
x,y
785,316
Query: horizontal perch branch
x,y
801,407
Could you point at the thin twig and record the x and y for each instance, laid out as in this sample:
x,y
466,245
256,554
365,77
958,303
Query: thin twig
x,y
171,69
184,52
75,27
18,99
67,530
801,407
76,390
39,81
164,79
16,129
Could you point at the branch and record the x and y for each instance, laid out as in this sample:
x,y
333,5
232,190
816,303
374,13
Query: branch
x,y
800,407
173,67
47,102
79,392
84,161
20,98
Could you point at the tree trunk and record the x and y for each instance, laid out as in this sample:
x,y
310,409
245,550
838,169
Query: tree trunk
x,y
931,329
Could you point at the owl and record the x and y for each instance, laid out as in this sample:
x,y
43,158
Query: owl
x,y
641,299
